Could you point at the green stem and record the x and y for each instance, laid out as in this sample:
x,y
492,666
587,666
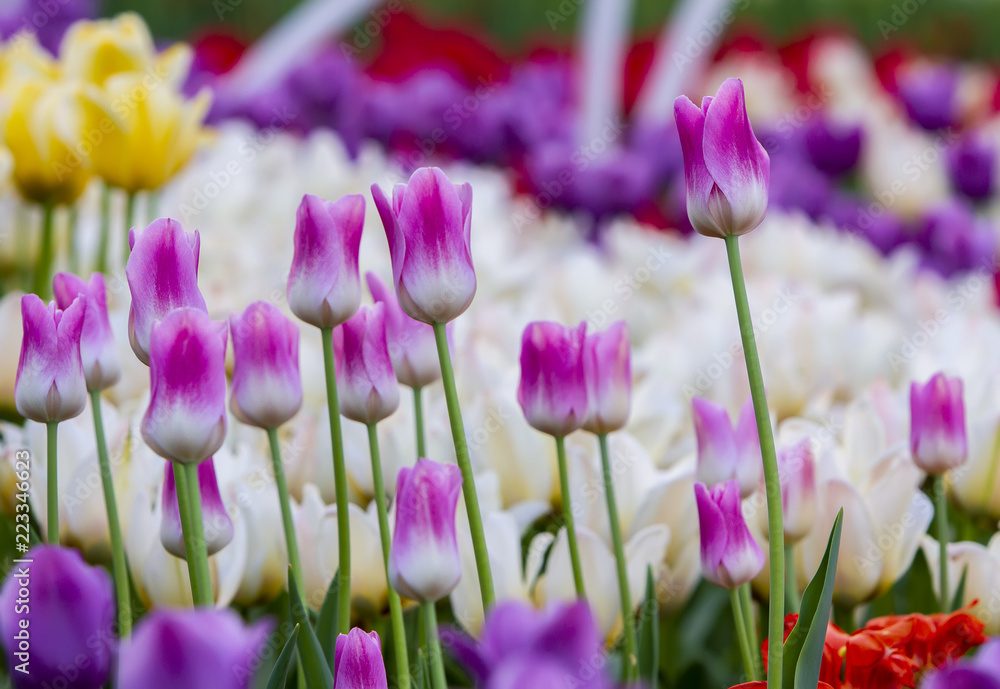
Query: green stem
x,y
52,485
340,479
291,542
772,486
749,667
941,507
468,479
46,253
843,617
395,605
101,264
418,417
433,644
189,504
129,222
73,258
153,205
748,617
118,567
628,618
791,586
574,548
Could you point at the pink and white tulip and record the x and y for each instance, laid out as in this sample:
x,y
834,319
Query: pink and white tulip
x,y
726,170
797,473
217,524
428,225
357,661
50,383
725,452
553,388
324,285
366,382
730,556
267,386
162,273
101,364
607,368
424,562
412,347
938,437
186,418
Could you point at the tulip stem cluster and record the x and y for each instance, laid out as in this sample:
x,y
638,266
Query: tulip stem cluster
x,y
340,479
468,479
941,511
395,604
119,570
746,651
433,645
418,420
574,548
772,485
286,509
189,504
52,484
628,619
43,267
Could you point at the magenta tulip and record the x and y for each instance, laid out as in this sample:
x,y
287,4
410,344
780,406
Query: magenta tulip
x,y
607,368
357,661
726,170
217,524
162,273
424,563
411,343
267,386
730,556
938,437
324,285
725,452
367,384
101,364
428,224
553,388
50,384
186,418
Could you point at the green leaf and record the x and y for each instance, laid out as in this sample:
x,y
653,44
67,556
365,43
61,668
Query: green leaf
x,y
314,664
279,673
326,625
956,602
649,634
803,649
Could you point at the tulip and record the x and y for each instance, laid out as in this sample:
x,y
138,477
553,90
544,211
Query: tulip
x,y
929,94
725,452
972,164
68,612
195,649
98,350
186,418
324,286
978,566
553,388
162,273
833,147
218,526
937,424
607,368
797,468
411,343
730,556
357,661
267,386
726,169
428,225
368,388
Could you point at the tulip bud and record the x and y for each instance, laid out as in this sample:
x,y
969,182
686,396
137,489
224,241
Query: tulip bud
x,y
217,524
194,649
429,225
607,368
162,274
726,170
972,164
50,382
424,563
186,418
724,452
553,388
929,94
101,364
367,385
64,621
937,424
797,472
412,347
267,387
96,50
357,661
730,556
324,286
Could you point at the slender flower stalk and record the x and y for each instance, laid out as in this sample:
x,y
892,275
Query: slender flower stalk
x,y
286,509
189,502
101,260
130,218
46,254
941,512
433,645
748,617
628,619
574,547
52,485
791,587
746,652
418,420
340,481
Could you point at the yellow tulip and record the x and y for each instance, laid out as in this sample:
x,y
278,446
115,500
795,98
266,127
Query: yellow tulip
x,y
23,58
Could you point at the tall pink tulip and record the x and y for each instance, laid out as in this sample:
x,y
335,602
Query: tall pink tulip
x,y
357,661
428,225
726,452
730,556
411,343
367,384
553,388
607,367
218,525
938,436
101,364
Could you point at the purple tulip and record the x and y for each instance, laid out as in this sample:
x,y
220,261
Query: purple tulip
x,y
324,285
267,386
162,273
979,672
428,225
937,424
726,169
357,661
797,472
217,525
972,166
50,383
834,148
607,369
412,347
367,384
553,388
194,649
730,556
724,452
186,418
101,364
929,95
57,620
955,238
424,563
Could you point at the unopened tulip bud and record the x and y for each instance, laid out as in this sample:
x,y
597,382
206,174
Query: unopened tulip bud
x,y
101,364
367,384
412,347
730,556
357,661
217,527
725,452
937,424
607,367
553,388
